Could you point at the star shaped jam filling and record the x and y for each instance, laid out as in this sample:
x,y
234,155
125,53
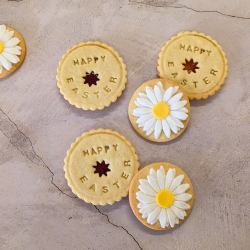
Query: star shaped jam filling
x,y
91,78
190,66
101,168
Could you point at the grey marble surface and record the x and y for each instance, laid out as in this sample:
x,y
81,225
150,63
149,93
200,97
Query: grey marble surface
x,y
37,126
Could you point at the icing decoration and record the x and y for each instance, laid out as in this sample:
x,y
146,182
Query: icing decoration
x,y
162,197
8,48
160,110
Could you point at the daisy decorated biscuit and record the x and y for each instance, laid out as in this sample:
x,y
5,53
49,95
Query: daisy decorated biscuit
x,y
12,50
91,75
161,196
195,61
159,110
100,166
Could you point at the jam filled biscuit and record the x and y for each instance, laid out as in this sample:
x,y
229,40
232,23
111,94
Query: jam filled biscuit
x,y
196,62
159,110
91,75
161,196
100,166
12,50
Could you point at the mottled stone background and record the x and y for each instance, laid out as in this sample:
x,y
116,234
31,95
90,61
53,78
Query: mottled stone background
x,y
37,126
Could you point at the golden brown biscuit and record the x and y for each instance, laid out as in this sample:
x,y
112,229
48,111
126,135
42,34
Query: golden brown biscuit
x,y
100,166
12,50
91,75
163,194
195,61
159,110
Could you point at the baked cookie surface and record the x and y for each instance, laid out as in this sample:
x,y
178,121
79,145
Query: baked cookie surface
x,y
159,110
196,62
161,196
12,50
91,75
100,166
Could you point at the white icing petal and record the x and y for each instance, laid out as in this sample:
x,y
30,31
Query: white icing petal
x,y
180,115
143,181
143,111
134,114
151,95
2,31
145,102
153,215
183,110
178,212
171,217
143,95
148,208
6,64
140,125
161,179
169,178
182,205
175,89
149,131
144,216
177,221
163,217
158,129
147,190
145,198
1,68
7,36
145,118
176,182
153,183
178,105
161,88
12,50
10,57
140,205
166,128
168,94
153,173
18,47
174,172
138,104
149,123
183,197
175,121
158,93
172,126
162,171
181,189
12,42
139,193
175,99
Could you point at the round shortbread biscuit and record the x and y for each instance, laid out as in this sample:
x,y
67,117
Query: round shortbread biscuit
x,y
91,75
141,93
134,191
100,166
21,57
196,62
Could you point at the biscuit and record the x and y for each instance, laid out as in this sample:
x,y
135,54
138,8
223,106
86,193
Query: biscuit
x,y
12,50
159,110
91,75
161,196
100,165
196,62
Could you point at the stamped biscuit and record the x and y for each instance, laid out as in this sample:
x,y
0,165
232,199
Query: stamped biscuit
x,y
12,50
91,75
161,196
159,110
100,166
196,62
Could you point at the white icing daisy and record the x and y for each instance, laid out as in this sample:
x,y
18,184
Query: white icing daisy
x,y
8,48
160,110
163,198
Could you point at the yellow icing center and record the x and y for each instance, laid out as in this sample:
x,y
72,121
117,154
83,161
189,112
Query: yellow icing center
x,y
165,198
1,47
161,110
